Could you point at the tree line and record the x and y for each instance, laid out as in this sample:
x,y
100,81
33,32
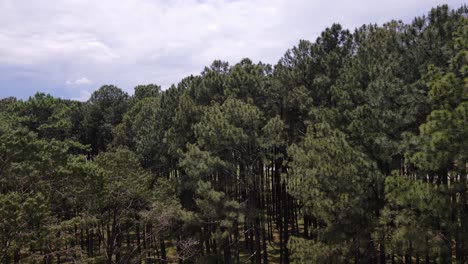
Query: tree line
x,y
351,149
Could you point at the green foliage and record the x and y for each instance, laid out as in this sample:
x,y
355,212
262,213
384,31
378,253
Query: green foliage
x,y
306,251
144,91
351,148
410,218
443,135
337,185
104,110
123,181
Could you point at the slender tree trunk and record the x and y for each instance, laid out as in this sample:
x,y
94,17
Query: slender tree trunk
x,y
236,241
258,249
227,251
251,243
118,248
137,234
163,249
110,245
306,227
265,251
16,257
462,234
285,227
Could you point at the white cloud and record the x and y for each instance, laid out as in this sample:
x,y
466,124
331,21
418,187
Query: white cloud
x,y
131,42
83,96
33,49
79,81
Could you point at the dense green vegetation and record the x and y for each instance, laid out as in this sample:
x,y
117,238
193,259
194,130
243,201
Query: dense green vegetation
x,y
352,149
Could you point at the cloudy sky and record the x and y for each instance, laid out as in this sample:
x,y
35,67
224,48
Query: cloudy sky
x,y
69,48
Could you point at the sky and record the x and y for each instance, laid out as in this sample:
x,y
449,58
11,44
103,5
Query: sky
x,y
69,48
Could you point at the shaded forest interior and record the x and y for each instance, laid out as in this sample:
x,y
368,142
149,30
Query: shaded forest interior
x,y
351,149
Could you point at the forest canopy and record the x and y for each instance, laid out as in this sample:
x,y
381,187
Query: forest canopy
x,y
353,148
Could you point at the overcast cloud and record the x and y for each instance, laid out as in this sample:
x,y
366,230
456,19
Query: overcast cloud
x,y
70,48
